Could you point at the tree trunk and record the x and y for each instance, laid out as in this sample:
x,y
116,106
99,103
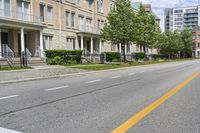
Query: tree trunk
x,y
124,54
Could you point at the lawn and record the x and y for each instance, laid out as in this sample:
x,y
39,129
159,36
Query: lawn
x,y
96,67
7,68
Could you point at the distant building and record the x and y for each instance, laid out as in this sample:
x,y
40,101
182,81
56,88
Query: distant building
x,y
181,17
148,8
196,42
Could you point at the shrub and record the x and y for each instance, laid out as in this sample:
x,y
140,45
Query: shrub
x,y
56,61
139,56
71,55
155,56
112,56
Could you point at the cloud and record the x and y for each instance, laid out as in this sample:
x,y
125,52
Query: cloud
x,y
159,6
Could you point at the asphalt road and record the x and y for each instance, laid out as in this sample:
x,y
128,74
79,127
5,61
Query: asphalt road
x,y
100,102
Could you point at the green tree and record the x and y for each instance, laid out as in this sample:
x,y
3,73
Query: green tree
x,y
170,44
148,31
186,38
120,28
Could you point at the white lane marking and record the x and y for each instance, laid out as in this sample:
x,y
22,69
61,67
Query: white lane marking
x,y
57,88
116,77
93,81
142,71
7,97
131,74
4,130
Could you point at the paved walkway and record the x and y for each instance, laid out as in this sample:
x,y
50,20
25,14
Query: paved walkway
x,y
37,73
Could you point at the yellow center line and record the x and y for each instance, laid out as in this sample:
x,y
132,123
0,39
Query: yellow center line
x,y
147,110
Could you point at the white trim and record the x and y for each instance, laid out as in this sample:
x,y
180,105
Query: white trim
x,y
22,40
91,46
0,44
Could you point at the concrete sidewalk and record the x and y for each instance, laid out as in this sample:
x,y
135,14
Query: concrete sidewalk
x,y
38,72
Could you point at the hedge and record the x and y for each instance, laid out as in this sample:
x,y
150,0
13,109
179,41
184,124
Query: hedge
x,y
112,56
139,56
71,55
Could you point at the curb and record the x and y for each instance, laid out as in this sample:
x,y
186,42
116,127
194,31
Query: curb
x,y
76,74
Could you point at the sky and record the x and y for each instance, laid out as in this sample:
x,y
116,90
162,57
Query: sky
x,y
159,6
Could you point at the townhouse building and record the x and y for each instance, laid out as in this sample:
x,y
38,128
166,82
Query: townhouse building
x,y
196,42
34,26
37,25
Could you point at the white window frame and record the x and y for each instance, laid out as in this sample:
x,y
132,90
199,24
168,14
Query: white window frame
x,y
3,10
50,14
67,15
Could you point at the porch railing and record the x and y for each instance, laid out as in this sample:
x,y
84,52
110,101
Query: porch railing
x,y
8,54
28,56
88,29
20,16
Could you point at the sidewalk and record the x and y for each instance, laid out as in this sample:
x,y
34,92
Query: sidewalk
x,y
38,72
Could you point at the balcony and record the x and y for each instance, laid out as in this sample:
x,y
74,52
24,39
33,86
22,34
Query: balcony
x,y
88,29
11,15
191,16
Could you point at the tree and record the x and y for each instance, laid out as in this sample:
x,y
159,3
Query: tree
x,y
186,37
170,44
148,31
120,28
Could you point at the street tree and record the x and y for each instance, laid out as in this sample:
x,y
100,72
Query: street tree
x,y
120,28
148,30
186,38
170,44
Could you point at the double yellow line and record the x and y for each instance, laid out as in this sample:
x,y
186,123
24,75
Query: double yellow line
x,y
140,115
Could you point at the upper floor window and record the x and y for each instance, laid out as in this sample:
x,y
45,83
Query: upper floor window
x,y
88,24
90,3
50,14
23,10
5,9
42,12
80,22
73,19
178,11
67,18
100,6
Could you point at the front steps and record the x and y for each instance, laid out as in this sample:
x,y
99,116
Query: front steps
x,y
35,61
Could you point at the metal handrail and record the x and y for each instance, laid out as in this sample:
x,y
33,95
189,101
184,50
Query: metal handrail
x,y
8,54
28,56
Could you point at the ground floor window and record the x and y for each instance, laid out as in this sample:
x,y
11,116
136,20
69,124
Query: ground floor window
x,y
47,42
198,53
71,42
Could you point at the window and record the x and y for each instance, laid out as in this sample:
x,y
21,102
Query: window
x,y
198,36
47,42
73,20
23,10
50,14
90,3
81,22
71,43
100,6
5,8
99,25
194,36
67,18
89,24
178,11
42,13
198,45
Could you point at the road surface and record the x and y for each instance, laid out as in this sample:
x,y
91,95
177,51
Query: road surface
x,y
103,101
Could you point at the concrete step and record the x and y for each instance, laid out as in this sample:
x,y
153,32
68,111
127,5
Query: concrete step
x,y
35,61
